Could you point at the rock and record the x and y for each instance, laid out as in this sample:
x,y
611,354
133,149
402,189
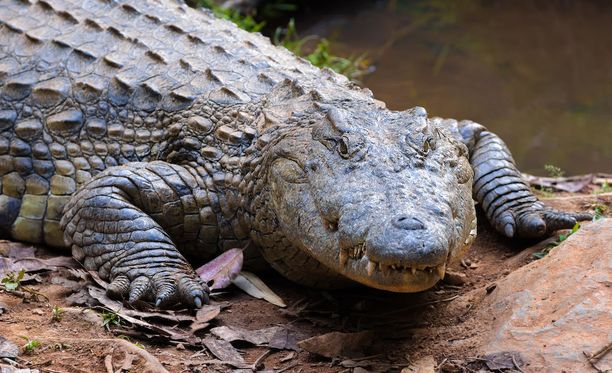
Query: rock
x,y
557,309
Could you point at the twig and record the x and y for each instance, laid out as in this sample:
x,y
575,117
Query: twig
x,y
516,364
286,368
257,364
594,358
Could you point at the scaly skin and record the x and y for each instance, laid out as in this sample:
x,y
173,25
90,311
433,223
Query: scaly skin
x,y
143,133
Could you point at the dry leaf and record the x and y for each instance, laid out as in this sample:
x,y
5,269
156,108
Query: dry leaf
x,y
337,344
252,285
224,351
222,269
503,360
32,264
8,350
257,337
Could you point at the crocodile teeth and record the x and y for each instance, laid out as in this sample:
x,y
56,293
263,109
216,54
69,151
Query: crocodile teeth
x,y
343,257
413,270
385,269
371,267
441,270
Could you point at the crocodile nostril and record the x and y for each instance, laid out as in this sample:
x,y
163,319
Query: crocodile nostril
x,y
408,223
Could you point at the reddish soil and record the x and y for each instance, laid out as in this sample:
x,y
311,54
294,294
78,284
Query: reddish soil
x,y
406,327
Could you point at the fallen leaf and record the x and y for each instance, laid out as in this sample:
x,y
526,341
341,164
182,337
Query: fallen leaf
x,y
207,312
117,306
257,337
572,184
35,264
8,350
252,285
222,269
172,334
16,250
503,360
224,351
204,315
338,344
283,339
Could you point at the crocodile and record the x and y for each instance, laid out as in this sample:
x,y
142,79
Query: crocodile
x,y
147,135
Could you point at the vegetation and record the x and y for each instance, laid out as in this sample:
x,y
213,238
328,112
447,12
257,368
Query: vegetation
x,y
562,237
56,314
313,48
12,281
553,171
353,67
30,345
605,188
600,211
110,318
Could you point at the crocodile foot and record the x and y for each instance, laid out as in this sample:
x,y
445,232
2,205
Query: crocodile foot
x,y
165,287
536,220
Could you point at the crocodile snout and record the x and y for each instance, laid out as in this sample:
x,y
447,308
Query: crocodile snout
x,y
408,241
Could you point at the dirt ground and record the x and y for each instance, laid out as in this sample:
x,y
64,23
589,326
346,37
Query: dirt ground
x,y
402,328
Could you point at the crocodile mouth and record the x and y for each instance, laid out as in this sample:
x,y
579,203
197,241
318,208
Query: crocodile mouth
x,y
396,277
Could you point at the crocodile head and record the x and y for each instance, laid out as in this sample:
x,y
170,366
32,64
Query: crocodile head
x,y
381,197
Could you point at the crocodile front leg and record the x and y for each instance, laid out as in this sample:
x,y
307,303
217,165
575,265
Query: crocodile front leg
x,y
499,187
117,224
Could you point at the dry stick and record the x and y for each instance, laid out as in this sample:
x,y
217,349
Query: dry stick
x,y
593,359
286,368
260,359
418,306
516,364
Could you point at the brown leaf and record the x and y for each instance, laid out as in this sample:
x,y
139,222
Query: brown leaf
x,y
570,184
222,269
16,250
253,286
338,344
257,337
32,264
503,360
8,349
283,339
117,306
223,350
207,312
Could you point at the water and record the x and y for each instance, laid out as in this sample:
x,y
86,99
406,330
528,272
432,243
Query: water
x,y
538,73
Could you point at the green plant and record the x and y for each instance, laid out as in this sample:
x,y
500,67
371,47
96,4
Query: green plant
x,y
109,319
554,171
245,22
599,211
56,313
605,188
353,67
12,280
30,345
562,237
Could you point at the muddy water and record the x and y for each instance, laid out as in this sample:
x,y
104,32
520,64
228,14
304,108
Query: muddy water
x,y
537,73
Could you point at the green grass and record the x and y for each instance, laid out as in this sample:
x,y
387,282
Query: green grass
x,y
109,319
313,48
30,345
562,237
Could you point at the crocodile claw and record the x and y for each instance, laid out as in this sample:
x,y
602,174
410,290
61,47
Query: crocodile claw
x,y
166,289
538,221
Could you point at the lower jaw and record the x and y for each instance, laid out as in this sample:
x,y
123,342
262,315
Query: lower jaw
x,y
400,279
